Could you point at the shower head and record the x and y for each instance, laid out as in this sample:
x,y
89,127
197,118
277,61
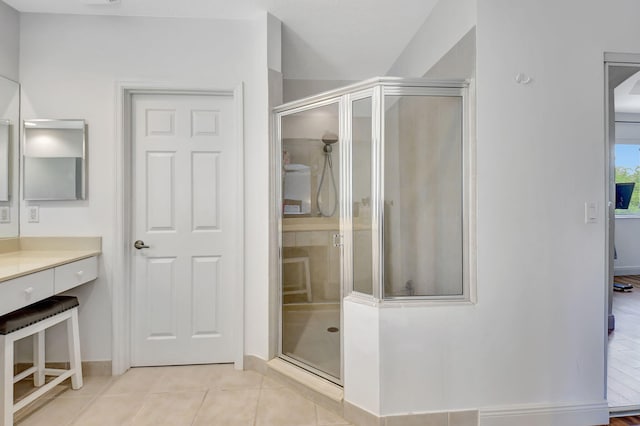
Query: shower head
x,y
329,138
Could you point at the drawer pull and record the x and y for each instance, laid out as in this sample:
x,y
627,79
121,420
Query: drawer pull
x,y
79,274
28,291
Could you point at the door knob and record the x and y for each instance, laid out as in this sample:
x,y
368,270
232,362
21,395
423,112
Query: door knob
x,y
140,245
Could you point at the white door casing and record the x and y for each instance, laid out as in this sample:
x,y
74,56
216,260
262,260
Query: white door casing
x,y
185,204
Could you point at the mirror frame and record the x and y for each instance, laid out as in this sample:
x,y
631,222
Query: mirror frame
x,y
55,126
5,163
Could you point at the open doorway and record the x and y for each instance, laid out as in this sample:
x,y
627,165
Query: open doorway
x,y
623,125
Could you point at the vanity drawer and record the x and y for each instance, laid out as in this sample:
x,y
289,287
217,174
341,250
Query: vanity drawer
x,y
76,273
20,292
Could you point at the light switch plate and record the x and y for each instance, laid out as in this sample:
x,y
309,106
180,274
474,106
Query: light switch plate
x,y
590,212
33,214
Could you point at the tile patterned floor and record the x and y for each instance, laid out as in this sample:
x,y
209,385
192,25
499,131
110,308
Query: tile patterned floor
x,y
196,395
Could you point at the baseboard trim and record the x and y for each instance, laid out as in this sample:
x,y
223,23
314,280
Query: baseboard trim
x,y
254,363
568,414
627,270
361,417
330,396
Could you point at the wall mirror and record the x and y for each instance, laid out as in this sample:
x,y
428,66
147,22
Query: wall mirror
x,y
54,159
9,157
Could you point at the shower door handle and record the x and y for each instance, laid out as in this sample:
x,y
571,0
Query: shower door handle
x,y
337,240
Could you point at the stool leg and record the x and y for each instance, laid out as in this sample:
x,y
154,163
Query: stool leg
x,y
6,378
38,358
73,338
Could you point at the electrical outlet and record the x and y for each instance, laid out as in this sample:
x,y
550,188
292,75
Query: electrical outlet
x,y
33,214
5,216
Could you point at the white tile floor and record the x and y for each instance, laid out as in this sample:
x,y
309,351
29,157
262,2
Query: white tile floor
x,y
187,395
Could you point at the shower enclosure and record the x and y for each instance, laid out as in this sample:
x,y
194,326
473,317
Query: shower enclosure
x,y
372,202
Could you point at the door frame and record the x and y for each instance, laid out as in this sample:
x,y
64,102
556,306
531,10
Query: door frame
x,y
121,309
612,60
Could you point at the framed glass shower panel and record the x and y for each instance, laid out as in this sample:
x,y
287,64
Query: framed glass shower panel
x,y
361,119
423,202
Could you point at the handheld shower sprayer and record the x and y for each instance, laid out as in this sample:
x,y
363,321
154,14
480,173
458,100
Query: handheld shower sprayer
x,y
328,139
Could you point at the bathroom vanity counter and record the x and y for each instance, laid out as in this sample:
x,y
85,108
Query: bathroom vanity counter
x,y
25,262
32,268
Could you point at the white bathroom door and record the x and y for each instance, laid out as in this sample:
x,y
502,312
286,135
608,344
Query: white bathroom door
x,y
185,189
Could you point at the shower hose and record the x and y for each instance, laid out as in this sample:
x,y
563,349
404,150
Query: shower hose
x,y
328,164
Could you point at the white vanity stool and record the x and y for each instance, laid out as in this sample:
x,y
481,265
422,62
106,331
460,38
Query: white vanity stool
x,y
33,320
305,287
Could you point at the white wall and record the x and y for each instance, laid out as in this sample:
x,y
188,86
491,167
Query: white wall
x,y
627,246
459,62
447,23
536,337
69,69
362,362
294,89
9,41
541,269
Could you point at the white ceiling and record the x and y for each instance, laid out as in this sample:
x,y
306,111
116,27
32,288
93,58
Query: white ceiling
x,y
322,39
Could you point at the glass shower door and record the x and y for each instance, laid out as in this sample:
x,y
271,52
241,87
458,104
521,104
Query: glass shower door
x,y
311,256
